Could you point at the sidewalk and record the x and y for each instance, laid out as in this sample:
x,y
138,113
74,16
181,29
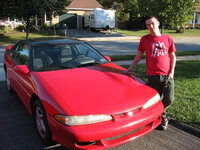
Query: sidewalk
x,y
143,61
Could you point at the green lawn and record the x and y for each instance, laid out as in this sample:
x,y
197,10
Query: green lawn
x,y
14,36
187,33
187,91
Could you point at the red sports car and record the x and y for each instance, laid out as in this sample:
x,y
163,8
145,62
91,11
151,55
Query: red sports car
x,y
78,97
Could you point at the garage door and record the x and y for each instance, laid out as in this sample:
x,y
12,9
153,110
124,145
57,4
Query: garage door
x,y
69,19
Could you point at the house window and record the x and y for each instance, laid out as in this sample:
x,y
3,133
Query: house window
x,y
196,16
194,20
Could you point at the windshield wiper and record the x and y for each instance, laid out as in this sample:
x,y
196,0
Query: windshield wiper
x,y
55,67
89,64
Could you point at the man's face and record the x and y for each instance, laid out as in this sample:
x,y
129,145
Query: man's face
x,y
152,25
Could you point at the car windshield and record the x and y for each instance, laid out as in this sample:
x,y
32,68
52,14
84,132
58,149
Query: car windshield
x,y
55,56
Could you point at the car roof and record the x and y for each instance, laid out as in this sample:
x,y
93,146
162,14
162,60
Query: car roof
x,y
52,40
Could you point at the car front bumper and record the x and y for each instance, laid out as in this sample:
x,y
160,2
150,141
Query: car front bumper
x,y
123,128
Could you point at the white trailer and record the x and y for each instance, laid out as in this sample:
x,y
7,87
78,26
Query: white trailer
x,y
99,19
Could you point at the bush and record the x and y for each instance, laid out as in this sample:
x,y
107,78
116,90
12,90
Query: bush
x,y
46,26
2,27
21,28
180,30
5,28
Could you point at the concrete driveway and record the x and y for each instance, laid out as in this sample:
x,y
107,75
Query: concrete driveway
x,y
82,33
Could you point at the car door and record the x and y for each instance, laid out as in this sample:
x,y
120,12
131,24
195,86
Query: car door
x,y
23,81
10,64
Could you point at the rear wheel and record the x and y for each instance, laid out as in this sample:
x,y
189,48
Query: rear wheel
x,y
41,122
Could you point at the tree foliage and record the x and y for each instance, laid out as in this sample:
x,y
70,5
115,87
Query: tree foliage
x,y
28,9
172,13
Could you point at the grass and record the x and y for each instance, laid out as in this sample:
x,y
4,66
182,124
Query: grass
x,y
187,32
187,91
14,36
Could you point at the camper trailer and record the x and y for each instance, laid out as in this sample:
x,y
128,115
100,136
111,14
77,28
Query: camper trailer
x,y
99,19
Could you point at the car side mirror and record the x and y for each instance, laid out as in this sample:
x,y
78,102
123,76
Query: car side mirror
x,y
108,58
8,48
22,69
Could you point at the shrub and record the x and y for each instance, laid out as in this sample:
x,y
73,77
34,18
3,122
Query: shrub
x,y
21,28
180,30
5,28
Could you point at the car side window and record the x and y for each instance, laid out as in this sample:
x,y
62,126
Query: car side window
x,y
22,54
86,51
12,52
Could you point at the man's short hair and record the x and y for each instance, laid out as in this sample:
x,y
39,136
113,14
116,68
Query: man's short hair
x,y
150,17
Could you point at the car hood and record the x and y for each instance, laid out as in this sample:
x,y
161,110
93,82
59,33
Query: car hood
x,y
102,89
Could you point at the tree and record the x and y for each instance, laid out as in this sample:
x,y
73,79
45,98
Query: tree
x,y
182,12
170,12
124,10
28,9
106,3
173,13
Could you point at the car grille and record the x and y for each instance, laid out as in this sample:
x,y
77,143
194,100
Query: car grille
x,y
115,137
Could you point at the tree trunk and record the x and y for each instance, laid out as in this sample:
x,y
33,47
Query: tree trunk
x,y
162,29
54,29
27,27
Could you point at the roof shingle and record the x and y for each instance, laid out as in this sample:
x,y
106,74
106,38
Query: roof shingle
x,y
91,4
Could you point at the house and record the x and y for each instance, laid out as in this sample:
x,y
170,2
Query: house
x,y
195,23
75,11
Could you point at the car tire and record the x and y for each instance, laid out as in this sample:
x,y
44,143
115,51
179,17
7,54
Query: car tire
x,y
88,28
41,124
10,89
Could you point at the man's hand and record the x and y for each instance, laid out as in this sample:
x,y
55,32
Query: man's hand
x,y
170,75
135,61
129,70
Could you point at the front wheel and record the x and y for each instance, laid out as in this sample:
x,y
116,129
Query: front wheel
x,y
41,122
10,89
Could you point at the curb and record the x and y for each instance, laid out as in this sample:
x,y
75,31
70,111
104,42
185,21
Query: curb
x,y
187,128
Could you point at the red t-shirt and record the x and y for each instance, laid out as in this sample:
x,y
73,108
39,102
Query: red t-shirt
x,y
157,50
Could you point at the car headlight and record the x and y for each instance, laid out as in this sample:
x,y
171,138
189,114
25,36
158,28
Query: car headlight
x,y
81,120
152,101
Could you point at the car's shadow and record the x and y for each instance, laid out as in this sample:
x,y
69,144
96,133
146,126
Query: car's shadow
x,y
17,131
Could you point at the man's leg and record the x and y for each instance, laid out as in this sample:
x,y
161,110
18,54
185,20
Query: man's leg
x,y
168,93
154,82
168,98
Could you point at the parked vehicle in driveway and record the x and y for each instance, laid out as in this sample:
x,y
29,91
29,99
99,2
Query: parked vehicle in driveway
x,y
77,96
99,19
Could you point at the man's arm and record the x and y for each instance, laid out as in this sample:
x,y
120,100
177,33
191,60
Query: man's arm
x,y
135,61
172,65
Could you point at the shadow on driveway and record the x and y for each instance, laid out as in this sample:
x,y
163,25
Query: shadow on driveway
x,y
17,130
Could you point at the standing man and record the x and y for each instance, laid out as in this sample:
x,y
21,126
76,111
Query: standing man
x,y
160,63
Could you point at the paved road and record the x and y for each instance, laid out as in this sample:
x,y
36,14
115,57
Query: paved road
x,y
113,44
18,133
123,47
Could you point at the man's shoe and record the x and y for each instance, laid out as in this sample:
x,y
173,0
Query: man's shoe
x,y
164,124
